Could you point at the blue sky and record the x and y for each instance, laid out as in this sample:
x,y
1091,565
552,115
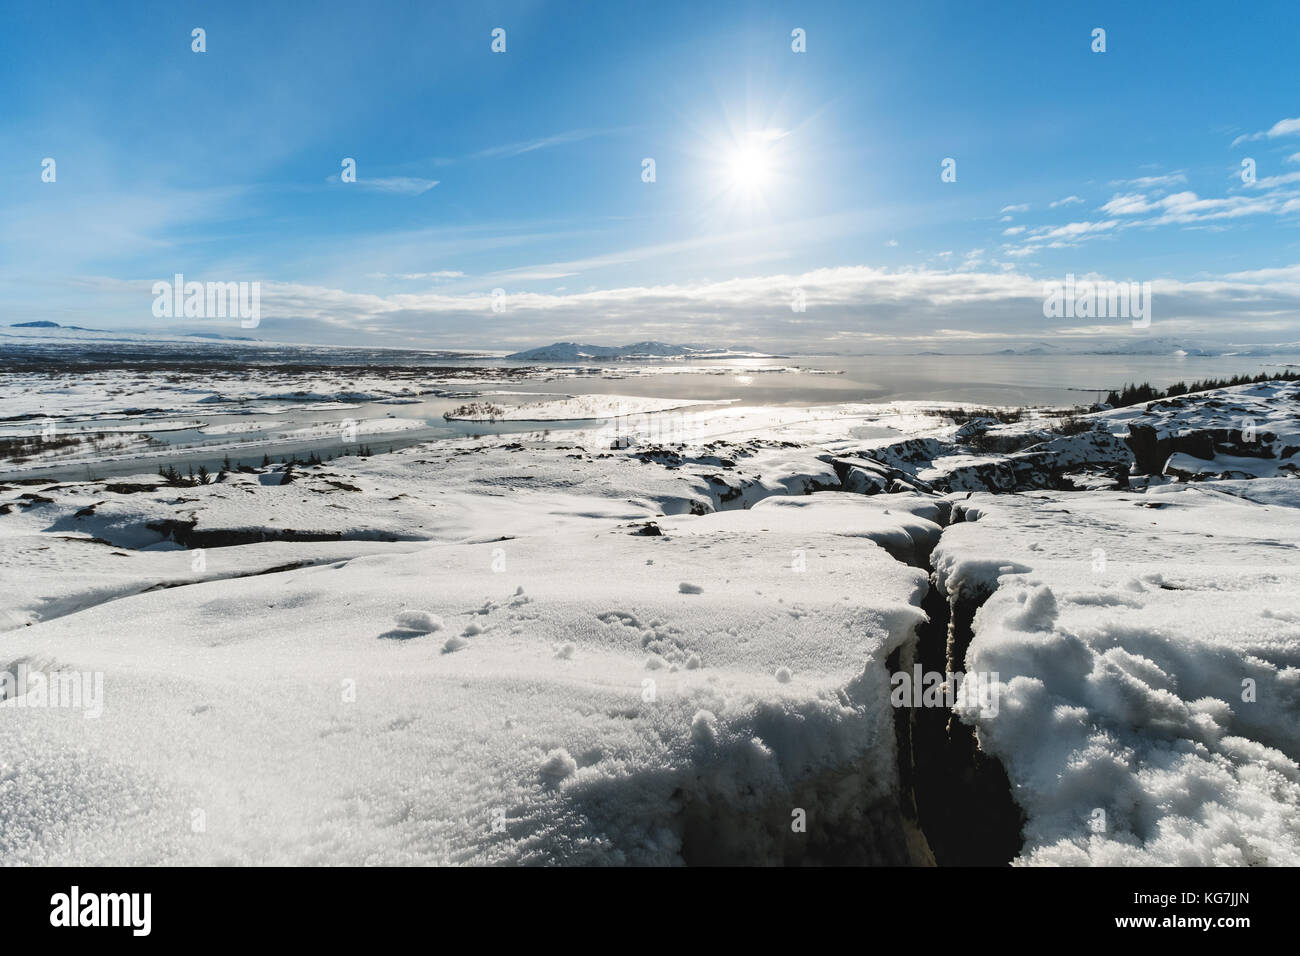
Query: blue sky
x,y
775,170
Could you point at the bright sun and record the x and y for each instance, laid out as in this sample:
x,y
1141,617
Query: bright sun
x,y
746,171
749,168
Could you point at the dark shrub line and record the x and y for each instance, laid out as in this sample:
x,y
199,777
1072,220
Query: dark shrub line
x,y
1136,394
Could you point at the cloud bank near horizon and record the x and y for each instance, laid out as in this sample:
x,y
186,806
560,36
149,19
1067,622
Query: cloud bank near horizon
x,y
844,309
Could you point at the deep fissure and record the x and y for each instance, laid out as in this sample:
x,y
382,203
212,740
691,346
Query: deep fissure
x,y
958,796
962,795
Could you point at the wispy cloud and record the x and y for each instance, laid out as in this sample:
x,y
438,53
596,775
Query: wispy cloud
x,y
1019,207
1184,208
532,145
1067,201
1127,204
1152,182
1073,230
444,274
403,185
1271,182
530,275
400,185
1187,207
1283,127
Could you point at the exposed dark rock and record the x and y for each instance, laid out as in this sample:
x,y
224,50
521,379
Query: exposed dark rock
x,y
730,492
188,535
1150,449
123,488
867,476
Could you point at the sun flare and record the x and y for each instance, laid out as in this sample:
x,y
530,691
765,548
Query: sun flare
x,y
746,170
749,168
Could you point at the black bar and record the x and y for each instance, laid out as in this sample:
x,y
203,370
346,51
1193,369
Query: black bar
x,y
907,906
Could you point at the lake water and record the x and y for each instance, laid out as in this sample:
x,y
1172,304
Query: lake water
x,y
977,379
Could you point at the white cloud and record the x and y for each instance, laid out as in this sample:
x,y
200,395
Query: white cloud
x,y
1019,207
532,145
403,185
529,275
1127,205
1013,231
889,306
1283,127
1067,201
1187,207
444,274
1074,230
1152,182
1271,182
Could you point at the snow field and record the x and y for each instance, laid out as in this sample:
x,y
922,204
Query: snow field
x,y
307,727
1148,654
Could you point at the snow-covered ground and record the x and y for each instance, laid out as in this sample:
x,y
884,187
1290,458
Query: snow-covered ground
x,y
1147,648
1248,431
664,639
586,693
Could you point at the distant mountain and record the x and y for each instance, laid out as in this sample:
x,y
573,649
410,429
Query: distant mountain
x,y
218,335
48,325
577,352
1156,345
1027,350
